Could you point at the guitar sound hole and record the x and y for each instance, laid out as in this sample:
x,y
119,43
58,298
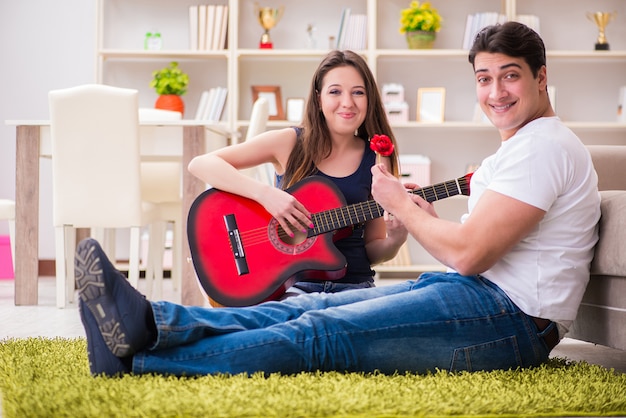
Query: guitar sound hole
x,y
297,244
298,237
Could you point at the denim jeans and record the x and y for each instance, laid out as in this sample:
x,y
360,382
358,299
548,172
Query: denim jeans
x,y
440,321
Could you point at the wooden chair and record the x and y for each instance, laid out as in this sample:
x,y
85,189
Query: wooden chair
x,y
95,173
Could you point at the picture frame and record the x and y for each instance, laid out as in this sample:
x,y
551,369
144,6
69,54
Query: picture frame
x,y
431,103
273,96
295,109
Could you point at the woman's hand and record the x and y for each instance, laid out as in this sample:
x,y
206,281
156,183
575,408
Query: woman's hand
x,y
287,210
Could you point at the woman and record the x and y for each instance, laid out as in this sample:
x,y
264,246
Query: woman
x,y
344,110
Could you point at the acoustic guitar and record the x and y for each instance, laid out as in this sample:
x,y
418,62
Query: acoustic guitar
x,y
242,256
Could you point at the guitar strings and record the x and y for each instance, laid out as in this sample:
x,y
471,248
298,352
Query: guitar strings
x,y
337,218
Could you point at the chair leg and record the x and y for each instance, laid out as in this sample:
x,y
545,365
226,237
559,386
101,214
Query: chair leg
x,y
70,255
154,264
177,252
148,262
133,259
65,242
159,244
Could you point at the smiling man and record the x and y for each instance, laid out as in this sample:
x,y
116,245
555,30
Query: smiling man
x,y
532,214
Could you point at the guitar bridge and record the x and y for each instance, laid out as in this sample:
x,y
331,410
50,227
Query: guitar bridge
x,y
236,245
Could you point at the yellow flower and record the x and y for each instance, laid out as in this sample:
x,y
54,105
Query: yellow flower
x,y
422,17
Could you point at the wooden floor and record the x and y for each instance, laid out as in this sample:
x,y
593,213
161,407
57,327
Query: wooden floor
x,y
46,320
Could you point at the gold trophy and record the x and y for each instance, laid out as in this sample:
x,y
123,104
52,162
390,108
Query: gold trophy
x,y
268,18
601,19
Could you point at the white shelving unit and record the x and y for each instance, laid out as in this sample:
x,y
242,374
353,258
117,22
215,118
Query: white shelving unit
x,y
586,81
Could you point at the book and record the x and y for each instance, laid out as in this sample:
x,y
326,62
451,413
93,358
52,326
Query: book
x,y
202,26
343,26
210,26
220,101
223,29
193,28
352,32
209,104
357,28
217,29
204,100
215,101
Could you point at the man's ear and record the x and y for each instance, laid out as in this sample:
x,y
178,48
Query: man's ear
x,y
542,78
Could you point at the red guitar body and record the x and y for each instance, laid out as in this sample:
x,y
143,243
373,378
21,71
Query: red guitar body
x,y
273,260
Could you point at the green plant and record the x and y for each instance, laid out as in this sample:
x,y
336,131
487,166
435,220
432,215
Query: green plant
x,y
170,80
420,17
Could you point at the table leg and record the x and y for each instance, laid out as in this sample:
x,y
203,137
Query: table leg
x,y
27,215
193,145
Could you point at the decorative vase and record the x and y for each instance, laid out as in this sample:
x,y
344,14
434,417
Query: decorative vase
x,y
170,102
420,39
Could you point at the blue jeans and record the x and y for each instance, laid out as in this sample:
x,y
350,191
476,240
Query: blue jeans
x,y
440,321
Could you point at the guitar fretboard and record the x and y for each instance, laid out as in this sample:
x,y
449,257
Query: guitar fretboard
x,y
333,219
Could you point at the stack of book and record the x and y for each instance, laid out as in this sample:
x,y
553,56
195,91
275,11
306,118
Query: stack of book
x,y
208,24
352,30
477,21
212,104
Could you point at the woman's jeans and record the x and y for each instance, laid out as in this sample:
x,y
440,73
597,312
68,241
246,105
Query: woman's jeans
x,y
440,321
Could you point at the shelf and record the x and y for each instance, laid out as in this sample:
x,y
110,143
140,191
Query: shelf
x,y
162,54
462,53
596,55
281,53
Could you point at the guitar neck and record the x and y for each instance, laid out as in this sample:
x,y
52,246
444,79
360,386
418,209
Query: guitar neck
x,y
338,218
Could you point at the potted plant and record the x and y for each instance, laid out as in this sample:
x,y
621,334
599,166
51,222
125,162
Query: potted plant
x,y
170,83
420,23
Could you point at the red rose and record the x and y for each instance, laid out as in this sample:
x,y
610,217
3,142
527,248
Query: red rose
x,y
382,145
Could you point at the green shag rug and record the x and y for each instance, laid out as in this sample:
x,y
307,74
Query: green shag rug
x,y
50,378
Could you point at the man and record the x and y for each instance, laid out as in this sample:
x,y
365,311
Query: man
x,y
519,264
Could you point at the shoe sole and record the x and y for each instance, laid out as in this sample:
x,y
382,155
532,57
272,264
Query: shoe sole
x,y
91,288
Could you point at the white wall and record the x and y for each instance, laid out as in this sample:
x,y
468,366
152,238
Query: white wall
x,y
45,45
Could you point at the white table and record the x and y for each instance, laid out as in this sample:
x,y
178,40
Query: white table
x,y
33,143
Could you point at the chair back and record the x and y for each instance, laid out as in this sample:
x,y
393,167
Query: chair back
x,y
258,118
95,156
258,124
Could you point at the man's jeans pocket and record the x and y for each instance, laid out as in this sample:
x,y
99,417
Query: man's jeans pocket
x,y
499,354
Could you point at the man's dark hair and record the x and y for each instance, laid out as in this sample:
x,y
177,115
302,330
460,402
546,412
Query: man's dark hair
x,y
513,39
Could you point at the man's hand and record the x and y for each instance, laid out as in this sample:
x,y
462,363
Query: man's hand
x,y
389,192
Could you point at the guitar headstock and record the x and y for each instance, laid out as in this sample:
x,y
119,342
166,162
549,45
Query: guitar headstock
x,y
465,183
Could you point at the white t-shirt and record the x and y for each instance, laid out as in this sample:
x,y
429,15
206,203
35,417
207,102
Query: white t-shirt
x,y
545,165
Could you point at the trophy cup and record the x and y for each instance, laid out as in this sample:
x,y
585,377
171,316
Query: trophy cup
x,y
601,19
268,18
